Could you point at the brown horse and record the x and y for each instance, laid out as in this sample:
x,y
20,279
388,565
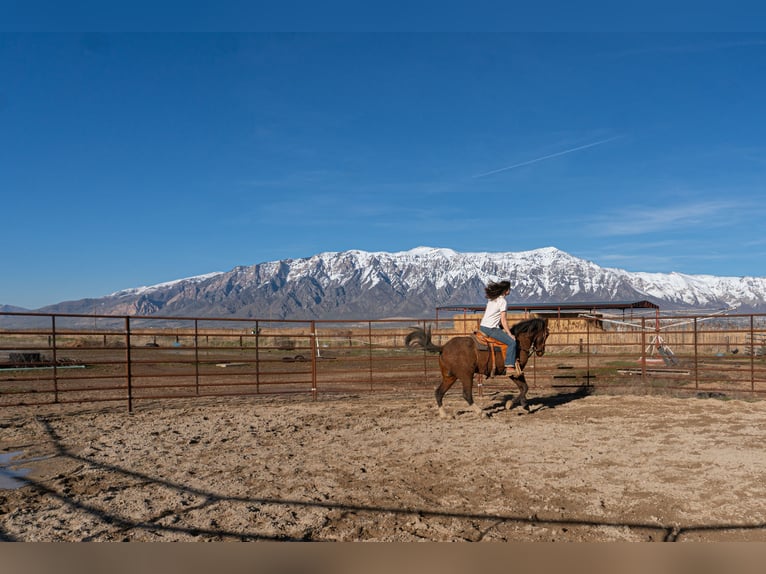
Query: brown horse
x,y
461,358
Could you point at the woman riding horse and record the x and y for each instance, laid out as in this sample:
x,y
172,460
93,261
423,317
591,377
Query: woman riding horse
x,y
494,323
461,357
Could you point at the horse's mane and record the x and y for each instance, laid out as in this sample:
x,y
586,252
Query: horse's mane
x,y
529,326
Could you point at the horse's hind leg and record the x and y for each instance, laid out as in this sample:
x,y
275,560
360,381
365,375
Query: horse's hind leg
x,y
466,377
521,382
441,390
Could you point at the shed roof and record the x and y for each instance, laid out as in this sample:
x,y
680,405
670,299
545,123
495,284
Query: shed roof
x,y
559,307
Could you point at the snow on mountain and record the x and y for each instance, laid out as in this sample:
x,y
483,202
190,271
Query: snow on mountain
x,y
701,290
140,290
360,284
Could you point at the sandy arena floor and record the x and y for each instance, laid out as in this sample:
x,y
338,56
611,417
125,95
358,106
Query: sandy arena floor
x,y
386,468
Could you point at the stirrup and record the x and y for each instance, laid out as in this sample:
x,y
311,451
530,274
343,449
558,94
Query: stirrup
x,y
517,366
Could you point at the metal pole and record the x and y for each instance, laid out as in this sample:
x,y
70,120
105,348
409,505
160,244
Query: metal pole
x,y
55,361
587,346
425,359
313,360
643,351
752,354
128,365
369,346
257,358
696,357
196,355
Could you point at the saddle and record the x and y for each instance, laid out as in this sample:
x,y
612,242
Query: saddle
x,y
485,343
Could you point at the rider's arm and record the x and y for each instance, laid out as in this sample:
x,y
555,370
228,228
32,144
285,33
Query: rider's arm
x,y
504,324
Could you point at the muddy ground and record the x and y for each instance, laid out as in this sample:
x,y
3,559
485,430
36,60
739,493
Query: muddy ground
x,y
385,467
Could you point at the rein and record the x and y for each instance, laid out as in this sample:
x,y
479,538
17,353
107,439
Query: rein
x,y
528,349
531,349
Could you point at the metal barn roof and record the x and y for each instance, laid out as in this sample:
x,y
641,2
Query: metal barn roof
x,y
589,306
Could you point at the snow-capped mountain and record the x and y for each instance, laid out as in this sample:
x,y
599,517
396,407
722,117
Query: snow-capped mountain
x,y
367,285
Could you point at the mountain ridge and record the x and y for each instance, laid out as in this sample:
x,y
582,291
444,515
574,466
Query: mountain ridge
x,y
358,284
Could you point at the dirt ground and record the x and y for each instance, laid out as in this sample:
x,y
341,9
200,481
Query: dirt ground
x,y
385,467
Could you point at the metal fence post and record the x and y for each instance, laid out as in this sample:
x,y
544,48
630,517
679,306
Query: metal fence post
x,y
752,353
257,358
587,347
196,356
369,346
128,365
643,351
314,343
55,360
696,356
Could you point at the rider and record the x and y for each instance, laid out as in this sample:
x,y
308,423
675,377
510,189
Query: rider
x,y
495,322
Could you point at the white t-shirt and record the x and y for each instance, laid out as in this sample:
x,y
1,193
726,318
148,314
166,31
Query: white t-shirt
x,y
495,308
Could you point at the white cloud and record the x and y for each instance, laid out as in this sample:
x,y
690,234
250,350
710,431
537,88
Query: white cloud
x,y
666,218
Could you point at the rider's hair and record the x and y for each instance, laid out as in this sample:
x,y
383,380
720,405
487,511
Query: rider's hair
x,y
494,290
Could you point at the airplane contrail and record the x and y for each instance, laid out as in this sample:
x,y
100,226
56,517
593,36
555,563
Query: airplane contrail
x,y
531,161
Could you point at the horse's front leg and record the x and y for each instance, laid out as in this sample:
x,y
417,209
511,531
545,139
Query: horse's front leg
x,y
521,382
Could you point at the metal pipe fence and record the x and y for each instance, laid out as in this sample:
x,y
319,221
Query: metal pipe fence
x,y
68,358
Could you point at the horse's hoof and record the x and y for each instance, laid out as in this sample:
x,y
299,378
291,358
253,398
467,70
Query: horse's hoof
x,y
478,410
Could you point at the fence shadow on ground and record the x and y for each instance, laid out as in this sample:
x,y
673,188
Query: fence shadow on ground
x,y
124,525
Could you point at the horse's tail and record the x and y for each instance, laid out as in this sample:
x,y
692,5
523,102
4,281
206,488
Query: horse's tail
x,y
420,337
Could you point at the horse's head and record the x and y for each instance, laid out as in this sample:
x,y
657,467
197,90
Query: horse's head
x,y
538,340
532,335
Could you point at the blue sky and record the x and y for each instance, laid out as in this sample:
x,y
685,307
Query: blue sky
x,y
133,159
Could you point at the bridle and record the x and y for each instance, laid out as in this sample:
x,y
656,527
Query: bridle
x,y
532,349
